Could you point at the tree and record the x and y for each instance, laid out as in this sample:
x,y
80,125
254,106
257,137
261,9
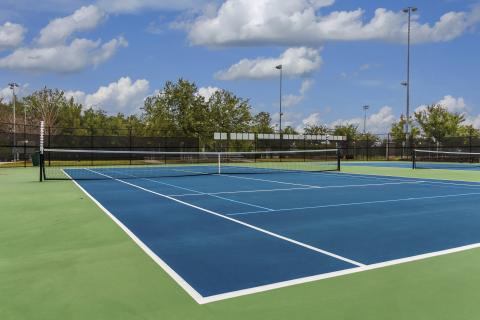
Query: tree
x,y
348,130
262,123
178,107
45,105
368,139
316,129
437,122
227,113
468,131
5,112
157,116
289,130
70,114
397,131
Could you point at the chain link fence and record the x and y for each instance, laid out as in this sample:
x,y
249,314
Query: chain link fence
x,y
17,147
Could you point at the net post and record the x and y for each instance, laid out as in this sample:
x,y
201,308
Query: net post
x,y
42,134
338,159
414,159
219,163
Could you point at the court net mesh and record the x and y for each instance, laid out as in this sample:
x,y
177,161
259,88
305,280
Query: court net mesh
x,y
426,159
62,164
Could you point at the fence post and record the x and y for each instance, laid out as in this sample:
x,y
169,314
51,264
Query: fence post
x,y
387,146
130,147
24,145
368,149
49,145
91,145
470,145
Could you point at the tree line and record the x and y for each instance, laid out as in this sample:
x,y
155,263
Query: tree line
x,y
179,110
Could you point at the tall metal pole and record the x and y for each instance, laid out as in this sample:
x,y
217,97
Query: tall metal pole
x,y
12,87
280,67
365,108
408,10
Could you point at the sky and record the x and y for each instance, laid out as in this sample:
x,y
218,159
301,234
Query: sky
x,y
337,56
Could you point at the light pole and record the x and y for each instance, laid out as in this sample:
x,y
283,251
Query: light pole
x,y
408,10
12,86
280,67
365,109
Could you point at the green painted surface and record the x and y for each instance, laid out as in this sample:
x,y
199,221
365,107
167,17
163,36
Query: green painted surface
x,y
62,258
457,175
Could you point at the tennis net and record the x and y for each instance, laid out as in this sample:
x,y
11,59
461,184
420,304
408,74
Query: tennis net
x,y
427,159
63,164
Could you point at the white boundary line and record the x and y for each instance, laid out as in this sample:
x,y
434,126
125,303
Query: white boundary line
x,y
175,276
358,203
199,193
300,188
204,300
380,265
250,226
377,177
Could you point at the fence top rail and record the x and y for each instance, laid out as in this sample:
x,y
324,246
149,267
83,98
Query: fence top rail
x,y
190,153
447,152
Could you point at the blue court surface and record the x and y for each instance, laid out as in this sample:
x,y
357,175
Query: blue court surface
x,y
221,236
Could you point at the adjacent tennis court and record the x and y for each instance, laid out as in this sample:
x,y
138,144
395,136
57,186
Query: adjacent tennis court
x,y
230,234
428,159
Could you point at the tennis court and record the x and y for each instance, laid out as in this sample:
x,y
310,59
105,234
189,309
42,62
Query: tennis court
x,y
225,235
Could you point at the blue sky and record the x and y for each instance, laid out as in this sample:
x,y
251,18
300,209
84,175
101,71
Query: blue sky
x,y
337,55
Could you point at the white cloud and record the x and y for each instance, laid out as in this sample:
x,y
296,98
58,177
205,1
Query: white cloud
x,y
11,35
451,103
297,120
474,121
6,93
123,96
78,96
50,6
379,122
51,53
133,6
454,104
58,30
299,22
207,92
292,119
296,62
76,56
292,100
458,105
312,120
155,27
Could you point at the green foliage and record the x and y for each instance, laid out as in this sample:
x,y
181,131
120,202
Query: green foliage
x,y
397,131
316,129
370,138
468,131
5,112
179,108
289,130
348,130
262,123
228,113
437,122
